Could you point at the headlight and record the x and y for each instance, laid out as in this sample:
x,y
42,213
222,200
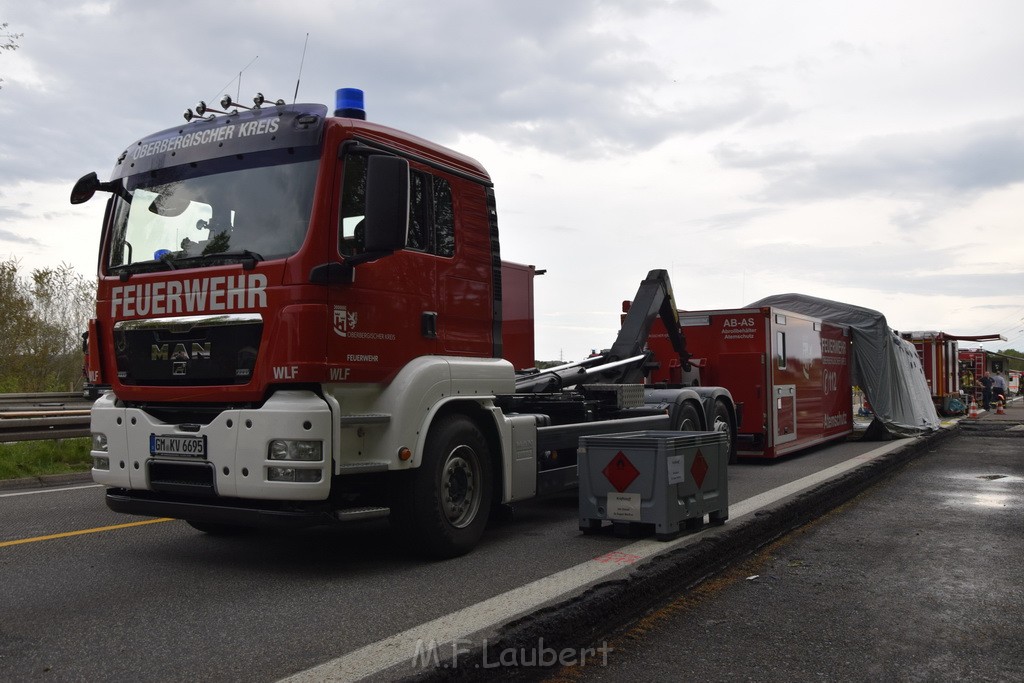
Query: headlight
x,y
288,449
99,442
100,462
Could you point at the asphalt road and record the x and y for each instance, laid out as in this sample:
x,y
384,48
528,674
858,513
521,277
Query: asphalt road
x,y
91,595
917,579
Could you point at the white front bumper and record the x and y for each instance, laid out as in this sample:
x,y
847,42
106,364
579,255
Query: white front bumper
x,y
237,446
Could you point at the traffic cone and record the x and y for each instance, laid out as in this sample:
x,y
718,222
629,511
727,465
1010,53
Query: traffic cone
x,y
974,410
999,408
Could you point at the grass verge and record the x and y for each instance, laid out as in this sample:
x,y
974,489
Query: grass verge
x,y
36,458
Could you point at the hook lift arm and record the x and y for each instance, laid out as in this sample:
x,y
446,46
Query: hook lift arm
x,y
626,361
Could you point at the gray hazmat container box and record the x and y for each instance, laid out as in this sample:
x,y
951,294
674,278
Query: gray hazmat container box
x,y
662,478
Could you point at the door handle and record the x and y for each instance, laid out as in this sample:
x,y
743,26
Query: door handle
x,y
428,324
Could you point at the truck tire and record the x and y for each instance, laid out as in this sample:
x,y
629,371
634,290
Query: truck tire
x,y
689,419
723,423
443,506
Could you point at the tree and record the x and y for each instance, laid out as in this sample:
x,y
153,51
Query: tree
x,y
42,318
1014,357
8,41
64,301
16,322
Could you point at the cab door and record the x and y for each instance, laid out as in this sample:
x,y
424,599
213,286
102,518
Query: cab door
x,y
377,318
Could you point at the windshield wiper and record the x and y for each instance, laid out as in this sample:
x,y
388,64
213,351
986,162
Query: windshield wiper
x,y
248,258
126,270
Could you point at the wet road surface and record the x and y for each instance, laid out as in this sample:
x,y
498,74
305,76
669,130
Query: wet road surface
x,y
919,578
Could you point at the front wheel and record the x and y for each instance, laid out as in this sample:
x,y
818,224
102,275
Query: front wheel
x,y
443,506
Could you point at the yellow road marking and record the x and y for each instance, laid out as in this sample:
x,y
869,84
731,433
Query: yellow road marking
x,y
66,534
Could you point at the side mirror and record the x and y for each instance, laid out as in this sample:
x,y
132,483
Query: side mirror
x,y
85,188
385,225
88,184
387,204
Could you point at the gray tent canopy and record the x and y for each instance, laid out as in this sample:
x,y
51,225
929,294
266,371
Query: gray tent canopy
x,y
885,367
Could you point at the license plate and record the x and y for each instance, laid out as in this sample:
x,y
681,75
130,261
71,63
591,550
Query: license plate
x,y
177,445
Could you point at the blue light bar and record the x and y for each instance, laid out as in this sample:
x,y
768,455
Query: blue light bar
x,y
348,102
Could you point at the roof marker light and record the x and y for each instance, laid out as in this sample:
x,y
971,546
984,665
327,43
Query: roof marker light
x,y
348,102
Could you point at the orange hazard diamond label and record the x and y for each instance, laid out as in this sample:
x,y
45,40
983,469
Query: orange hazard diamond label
x,y
620,472
699,469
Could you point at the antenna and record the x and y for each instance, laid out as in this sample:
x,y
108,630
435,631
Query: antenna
x,y
302,61
239,77
225,101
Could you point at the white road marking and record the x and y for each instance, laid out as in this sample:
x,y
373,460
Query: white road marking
x,y
37,491
451,628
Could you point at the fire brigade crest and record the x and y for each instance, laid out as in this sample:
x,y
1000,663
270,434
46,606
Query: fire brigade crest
x,y
344,320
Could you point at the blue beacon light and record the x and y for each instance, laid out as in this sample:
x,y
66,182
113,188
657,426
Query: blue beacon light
x,y
348,102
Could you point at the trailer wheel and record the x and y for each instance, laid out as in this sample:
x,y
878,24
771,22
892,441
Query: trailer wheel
x,y
723,423
689,419
444,505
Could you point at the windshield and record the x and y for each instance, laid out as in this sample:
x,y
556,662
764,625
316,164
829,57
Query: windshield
x,y
206,213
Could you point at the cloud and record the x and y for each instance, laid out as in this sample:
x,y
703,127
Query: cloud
x,y
10,214
19,240
733,220
967,160
554,76
558,77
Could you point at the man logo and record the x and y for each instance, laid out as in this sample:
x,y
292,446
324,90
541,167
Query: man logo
x,y
181,352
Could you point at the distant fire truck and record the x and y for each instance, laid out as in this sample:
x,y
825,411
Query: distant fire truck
x,y
974,363
949,376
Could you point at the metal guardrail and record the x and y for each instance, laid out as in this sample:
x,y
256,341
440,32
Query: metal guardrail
x,y
38,416
76,396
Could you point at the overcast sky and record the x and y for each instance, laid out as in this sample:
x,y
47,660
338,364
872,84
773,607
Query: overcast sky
x,y
870,152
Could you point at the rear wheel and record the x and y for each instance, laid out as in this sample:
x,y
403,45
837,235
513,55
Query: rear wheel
x,y
443,507
723,424
689,419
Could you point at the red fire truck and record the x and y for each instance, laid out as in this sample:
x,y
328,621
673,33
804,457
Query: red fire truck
x,y
790,372
940,358
974,363
305,319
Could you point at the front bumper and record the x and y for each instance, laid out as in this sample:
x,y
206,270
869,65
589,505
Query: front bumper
x,y
236,463
247,513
